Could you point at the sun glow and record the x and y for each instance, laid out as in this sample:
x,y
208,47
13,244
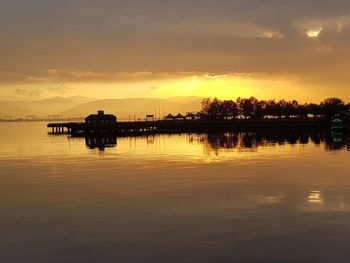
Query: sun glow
x,y
276,35
314,33
224,86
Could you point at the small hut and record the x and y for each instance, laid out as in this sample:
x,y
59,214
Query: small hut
x,y
149,117
169,117
230,116
180,117
190,116
219,116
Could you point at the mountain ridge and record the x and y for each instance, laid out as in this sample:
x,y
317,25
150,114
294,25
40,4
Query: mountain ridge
x,y
130,107
80,106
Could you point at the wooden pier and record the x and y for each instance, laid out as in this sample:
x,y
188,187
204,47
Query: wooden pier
x,y
198,126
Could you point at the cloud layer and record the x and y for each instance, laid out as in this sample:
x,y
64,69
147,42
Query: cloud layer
x,y
91,40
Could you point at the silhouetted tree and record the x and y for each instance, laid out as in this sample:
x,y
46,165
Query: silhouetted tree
x,y
247,107
333,106
229,107
269,109
255,108
214,107
303,111
206,104
314,109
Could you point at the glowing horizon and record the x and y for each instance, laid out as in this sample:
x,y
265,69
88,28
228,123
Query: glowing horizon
x,y
223,86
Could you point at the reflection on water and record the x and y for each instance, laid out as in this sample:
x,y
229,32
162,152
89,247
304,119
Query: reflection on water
x,y
267,196
100,142
244,140
315,197
254,140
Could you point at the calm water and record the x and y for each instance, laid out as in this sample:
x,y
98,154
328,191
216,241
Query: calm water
x,y
267,197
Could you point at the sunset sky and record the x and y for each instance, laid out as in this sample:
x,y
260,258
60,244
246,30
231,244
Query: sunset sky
x,y
163,48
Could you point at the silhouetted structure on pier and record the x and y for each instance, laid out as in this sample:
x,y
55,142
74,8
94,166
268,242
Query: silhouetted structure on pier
x,y
101,119
169,117
107,124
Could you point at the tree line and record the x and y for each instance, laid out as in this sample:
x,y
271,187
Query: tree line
x,y
254,108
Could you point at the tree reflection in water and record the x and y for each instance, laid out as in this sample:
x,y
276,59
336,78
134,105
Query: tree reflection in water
x,y
251,140
246,140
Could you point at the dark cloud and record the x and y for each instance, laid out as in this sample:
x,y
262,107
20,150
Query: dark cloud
x,y
100,40
58,76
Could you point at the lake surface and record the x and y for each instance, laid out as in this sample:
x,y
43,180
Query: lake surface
x,y
239,197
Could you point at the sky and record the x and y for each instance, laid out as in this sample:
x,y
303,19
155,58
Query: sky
x,y
292,49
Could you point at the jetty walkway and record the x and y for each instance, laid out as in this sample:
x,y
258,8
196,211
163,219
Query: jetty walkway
x,y
197,126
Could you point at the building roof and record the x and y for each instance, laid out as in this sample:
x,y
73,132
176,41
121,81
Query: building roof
x,y
169,116
179,116
101,115
105,116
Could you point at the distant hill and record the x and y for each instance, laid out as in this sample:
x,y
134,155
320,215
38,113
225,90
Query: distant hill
x,y
42,108
134,106
13,111
186,100
80,106
81,99
55,105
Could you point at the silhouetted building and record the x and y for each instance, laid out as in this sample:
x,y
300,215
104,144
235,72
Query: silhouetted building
x,y
180,117
150,117
101,119
194,116
169,117
229,116
191,116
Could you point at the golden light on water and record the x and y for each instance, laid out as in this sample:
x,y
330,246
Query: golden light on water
x,y
315,197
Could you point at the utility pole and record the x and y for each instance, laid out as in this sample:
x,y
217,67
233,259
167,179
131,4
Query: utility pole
x,y
158,112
